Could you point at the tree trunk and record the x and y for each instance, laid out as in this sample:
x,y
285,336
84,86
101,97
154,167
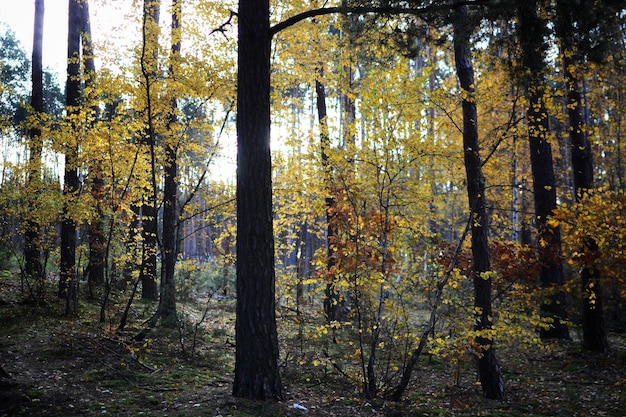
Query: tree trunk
x,y
68,281
544,184
33,267
332,300
97,241
489,370
594,330
170,191
149,57
256,357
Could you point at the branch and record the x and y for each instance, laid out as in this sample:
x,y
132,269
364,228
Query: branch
x,y
222,28
388,10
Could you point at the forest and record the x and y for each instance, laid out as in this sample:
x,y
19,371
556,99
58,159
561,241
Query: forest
x,y
325,208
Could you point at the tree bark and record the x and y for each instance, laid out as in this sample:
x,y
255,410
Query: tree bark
x,y
33,267
489,371
531,33
170,191
68,280
97,241
594,329
332,300
149,57
256,356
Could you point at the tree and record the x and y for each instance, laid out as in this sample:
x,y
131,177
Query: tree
x,y
13,80
575,46
332,302
256,356
67,282
533,67
97,238
256,372
170,191
33,267
489,371
149,210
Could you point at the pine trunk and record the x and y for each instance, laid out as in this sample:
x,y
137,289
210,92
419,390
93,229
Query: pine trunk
x,y
97,241
149,57
256,356
594,330
68,281
170,190
544,184
33,267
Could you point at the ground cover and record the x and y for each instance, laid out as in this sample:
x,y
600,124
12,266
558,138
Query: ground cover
x,y
60,366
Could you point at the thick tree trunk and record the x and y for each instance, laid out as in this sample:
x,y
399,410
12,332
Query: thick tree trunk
x,y
170,191
33,267
68,282
489,371
256,357
544,185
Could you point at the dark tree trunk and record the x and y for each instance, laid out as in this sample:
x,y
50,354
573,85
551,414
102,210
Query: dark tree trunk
x,y
489,370
531,33
332,302
594,330
256,357
68,281
33,267
170,191
97,241
149,57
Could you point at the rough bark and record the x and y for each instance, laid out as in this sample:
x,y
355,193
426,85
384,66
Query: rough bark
x,y
170,190
256,356
97,239
68,281
33,267
489,371
531,33
149,56
594,329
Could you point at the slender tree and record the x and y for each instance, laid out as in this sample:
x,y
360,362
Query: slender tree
x,y
531,36
332,301
67,281
33,267
489,371
97,239
256,356
149,210
574,54
170,192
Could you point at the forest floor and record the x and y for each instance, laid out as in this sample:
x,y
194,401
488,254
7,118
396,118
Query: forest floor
x,y
59,366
